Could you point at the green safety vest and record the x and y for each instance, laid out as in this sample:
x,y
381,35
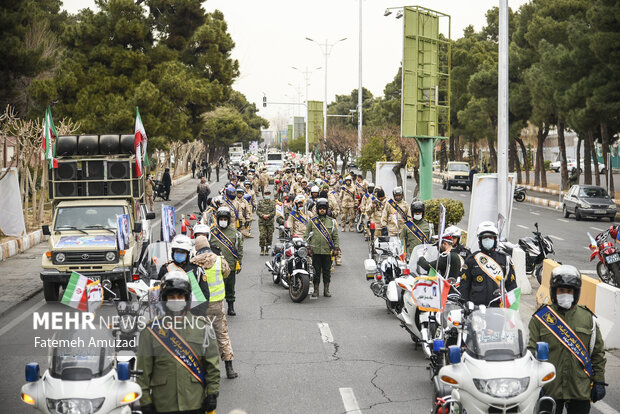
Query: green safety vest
x,y
215,281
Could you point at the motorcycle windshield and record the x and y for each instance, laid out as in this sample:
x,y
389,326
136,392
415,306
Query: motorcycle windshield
x,y
428,251
82,354
494,334
155,257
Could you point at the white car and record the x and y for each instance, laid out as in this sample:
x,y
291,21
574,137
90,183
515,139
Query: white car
x,y
570,163
601,167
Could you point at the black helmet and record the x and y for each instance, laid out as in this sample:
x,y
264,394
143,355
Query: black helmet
x,y
418,207
223,212
176,281
380,193
322,203
565,276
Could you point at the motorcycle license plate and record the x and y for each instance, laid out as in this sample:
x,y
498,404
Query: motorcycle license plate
x,y
612,258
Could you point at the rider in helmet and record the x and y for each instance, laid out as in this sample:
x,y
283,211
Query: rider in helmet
x,y
226,241
181,392
486,269
395,213
324,242
448,264
366,205
458,248
348,203
297,219
421,230
573,387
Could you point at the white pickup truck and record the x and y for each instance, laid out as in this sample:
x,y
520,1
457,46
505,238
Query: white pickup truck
x,y
456,174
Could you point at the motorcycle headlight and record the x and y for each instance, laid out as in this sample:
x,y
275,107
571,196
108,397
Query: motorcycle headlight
x,y
60,257
302,252
74,405
502,387
110,256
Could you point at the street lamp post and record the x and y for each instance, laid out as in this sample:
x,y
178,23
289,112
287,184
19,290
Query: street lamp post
x,y
502,112
359,90
307,73
326,49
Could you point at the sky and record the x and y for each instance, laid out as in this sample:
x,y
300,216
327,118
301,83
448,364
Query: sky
x,y
270,39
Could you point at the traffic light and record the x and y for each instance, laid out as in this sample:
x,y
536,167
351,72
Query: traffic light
x,y
264,102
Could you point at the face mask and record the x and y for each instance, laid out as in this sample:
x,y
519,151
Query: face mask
x,y
176,305
565,300
179,257
417,216
267,197
488,244
223,223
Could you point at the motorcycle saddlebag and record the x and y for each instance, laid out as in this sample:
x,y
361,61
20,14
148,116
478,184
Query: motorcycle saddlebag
x,y
371,268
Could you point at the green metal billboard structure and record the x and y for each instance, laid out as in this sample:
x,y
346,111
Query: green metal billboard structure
x,y
315,121
425,106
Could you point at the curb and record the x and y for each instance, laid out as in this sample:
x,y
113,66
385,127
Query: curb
x,y
543,202
542,189
14,247
182,179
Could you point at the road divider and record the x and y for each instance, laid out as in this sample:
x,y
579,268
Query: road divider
x,y
13,247
600,298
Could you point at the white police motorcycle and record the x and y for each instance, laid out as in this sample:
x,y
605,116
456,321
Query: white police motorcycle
x,y
496,373
83,377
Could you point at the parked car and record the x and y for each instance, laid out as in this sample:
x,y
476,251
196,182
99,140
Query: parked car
x,y
589,201
570,164
601,167
456,174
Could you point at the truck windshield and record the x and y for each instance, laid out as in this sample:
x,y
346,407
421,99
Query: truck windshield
x,y
274,157
87,217
458,167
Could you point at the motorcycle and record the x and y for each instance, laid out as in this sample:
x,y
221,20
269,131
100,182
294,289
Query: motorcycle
x,y
277,265
608,267
519,194
494,371
83,379
536,250
159,191
386,266
295,269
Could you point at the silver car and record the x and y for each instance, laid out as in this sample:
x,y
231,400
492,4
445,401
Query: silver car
x,y
589,201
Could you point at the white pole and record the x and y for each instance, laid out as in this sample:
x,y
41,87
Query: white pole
x,y
307,111
325,101
359,91
502,112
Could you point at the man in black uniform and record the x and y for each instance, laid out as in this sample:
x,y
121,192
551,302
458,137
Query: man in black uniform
x,y
457,247
485,269
166,180
449,264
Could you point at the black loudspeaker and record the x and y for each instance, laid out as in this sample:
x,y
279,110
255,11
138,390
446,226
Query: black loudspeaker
x,y
68,189
118,188
127,144
93,170
109,144
88,144
137,187
67,170
66,145
118,170
95,188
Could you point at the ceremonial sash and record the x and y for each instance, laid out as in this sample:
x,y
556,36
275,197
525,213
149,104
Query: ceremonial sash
x,y
359,186
179,349
348,192
417,232
299,217
560,329
375,199
399,210
323,230
489,266
233,207
366,195
219,234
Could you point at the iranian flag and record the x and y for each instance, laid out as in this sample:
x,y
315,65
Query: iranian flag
x,y
83,293
140,142
49,134
513,299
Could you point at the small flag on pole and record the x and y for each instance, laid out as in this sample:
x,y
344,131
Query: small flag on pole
x,y
140,143
83,293
49,135
513,299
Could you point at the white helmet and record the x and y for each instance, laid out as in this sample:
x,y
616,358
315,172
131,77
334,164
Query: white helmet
x,y
181,242
299,199
314,189
487,227
201,229
454,231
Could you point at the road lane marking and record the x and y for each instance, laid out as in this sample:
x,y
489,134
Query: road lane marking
x,y
556,237
326,333
534,213
522,226
604,408
596,228
21,317
349,401
563,220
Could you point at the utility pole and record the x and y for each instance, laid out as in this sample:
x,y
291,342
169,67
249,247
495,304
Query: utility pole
x,y
307,73
502,112
359,90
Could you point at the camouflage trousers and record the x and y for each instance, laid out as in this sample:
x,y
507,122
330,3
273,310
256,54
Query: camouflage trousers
x,y
216,314
348,215
266,234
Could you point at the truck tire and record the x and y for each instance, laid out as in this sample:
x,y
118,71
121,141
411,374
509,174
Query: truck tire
x,y
50,291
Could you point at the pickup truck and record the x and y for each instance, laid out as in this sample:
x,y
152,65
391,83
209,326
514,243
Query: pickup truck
x,y
456,174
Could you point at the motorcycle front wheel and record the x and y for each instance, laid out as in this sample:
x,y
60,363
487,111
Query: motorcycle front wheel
x,y
359,225
299,287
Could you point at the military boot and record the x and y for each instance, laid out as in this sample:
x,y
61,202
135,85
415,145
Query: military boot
x,y
262,251
326,291
231,308
315,294
230,372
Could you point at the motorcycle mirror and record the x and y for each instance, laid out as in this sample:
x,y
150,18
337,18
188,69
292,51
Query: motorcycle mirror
x,y
454,354
470,306
542,351
310,235
122,369
281,227
438,345
150,215
32,372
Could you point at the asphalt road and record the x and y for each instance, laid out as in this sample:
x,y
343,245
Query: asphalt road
x,y
327,355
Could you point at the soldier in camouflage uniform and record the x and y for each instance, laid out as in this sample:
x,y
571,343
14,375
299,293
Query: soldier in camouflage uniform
x,y
321,249
375,212
266,211
348,204
409,239
392,221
